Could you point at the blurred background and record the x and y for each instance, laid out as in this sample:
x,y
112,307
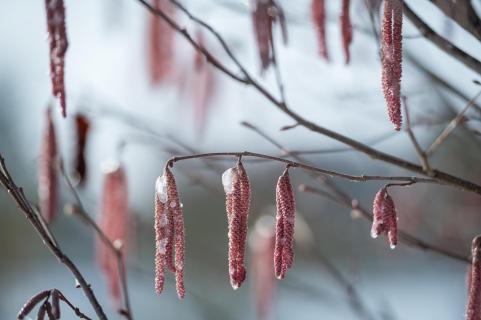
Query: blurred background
x,y
339,270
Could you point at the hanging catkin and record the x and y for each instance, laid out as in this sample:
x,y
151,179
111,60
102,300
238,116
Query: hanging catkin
x,y
384,217
160,43
58,43
473,309
237,190
318,13
286,209
48,172
346,30
113,221
169,233
391,59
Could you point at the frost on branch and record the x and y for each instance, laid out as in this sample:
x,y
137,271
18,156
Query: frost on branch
x,y
57,36
318,12
346,30
473,309
48,172
286,210
237,189
391,59
384,217
169,233
113,221
262,242
160,43
264,14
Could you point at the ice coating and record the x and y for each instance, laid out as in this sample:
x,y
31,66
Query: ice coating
x,y
161,188
228,180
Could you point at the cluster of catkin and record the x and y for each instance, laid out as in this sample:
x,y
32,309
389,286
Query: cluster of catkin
x,y
169,226
169,233
384,217
58,43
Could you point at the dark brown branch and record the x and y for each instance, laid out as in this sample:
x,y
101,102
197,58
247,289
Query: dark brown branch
x,y
371,152
441,42
22,202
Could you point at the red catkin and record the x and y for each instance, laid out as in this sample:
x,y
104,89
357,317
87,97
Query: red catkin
x,y
473,309
113,221
58,43
346,29
384,217
204,86
82,126
31,303
262,242
160,43
391,59
318,12
264,14
169,233
237,189
286,209
48,172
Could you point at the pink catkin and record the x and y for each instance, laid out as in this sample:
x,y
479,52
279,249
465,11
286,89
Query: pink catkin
x,y
204,86
346,30
286,208
237,189
318,12
48,172
384,217
113,221
391,59
262,248
473,309
58,43
264,14
160,42
169,233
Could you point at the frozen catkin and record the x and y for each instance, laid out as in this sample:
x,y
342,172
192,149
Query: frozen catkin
x,y
346,29
237,189
318,13
262,242
264,14
82,127
58,43
169,233
113,221
48,171
285,216
32,303
384,217
391,59
160,43
473,309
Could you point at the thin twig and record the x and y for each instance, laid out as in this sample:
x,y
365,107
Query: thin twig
x,y
451,126
422,155
23,204
295,164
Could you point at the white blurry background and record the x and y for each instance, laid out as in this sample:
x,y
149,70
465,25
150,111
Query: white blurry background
x,y
106,76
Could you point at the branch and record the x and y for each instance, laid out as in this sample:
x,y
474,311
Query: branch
x,y
23,204
441,42
295,164
371,152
